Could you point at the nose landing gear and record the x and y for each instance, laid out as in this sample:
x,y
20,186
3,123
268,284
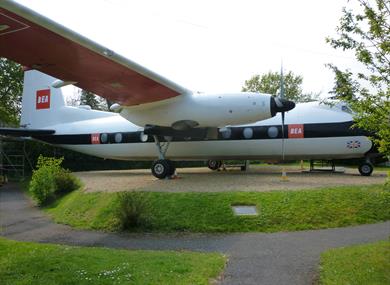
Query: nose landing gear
x,y
366,168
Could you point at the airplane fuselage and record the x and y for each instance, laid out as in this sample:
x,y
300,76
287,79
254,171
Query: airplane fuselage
x,y
312,131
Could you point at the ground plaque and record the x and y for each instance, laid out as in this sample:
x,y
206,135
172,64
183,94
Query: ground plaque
x,y
241,210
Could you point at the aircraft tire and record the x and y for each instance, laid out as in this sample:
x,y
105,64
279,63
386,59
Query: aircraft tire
x,y
161,168
214,164
172,167
366,169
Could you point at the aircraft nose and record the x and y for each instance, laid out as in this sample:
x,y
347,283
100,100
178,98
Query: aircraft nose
x,y
281,105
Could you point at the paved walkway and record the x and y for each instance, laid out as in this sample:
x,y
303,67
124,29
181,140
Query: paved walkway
x,y
254,258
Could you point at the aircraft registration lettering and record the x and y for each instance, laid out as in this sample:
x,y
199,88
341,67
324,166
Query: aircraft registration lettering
x,y
43,99
296,131
95,138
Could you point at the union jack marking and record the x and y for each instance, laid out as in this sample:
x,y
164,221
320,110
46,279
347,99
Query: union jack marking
x,y
353,144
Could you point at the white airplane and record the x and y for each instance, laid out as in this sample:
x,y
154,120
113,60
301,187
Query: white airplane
x,y
156,117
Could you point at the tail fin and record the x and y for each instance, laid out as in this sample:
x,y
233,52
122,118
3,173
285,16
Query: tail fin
x,y
44,107
41,103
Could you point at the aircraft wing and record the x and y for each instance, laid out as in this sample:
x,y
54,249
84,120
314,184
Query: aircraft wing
x,y
39,43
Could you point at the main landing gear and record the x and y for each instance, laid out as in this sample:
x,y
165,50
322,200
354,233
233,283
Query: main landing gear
x,y
214,164
162,168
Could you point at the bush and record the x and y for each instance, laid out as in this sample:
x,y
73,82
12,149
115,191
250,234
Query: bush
x,y
51,162
65,182
50,180
42,185
131,210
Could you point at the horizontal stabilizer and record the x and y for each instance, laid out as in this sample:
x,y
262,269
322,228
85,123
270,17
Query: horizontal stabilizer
x,y
20,132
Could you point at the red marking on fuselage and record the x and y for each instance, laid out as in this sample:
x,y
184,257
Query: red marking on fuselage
x,y
43,99
95,138
296,131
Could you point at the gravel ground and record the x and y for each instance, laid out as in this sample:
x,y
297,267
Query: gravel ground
x,y
265,178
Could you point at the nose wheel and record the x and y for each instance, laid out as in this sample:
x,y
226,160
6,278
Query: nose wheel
x,y
365,169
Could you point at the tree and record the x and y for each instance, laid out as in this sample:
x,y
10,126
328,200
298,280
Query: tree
x,y
11,88
366,31
96,102
88,98
270,83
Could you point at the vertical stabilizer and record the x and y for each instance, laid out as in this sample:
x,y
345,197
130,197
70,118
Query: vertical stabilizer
x,y
41,103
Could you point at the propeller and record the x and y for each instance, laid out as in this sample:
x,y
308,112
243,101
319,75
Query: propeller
x,y
283,105
283,112
280,104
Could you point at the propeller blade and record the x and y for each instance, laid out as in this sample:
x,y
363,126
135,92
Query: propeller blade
x,y
281,84
283,105
283,127
286,106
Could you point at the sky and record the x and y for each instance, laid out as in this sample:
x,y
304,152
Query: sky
x,y
212,46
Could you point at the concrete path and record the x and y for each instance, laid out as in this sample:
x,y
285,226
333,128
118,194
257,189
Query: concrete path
x,y
254,258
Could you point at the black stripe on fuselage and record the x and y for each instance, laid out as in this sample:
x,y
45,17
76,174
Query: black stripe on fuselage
x,y
320,130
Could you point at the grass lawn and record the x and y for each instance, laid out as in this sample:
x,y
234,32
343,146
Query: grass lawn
x,y
211,212
33,263
362,264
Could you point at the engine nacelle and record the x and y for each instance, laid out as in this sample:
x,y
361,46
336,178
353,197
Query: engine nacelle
x,y
203,110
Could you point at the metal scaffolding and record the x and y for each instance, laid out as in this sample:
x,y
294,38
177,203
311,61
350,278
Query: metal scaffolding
x,y
13,159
